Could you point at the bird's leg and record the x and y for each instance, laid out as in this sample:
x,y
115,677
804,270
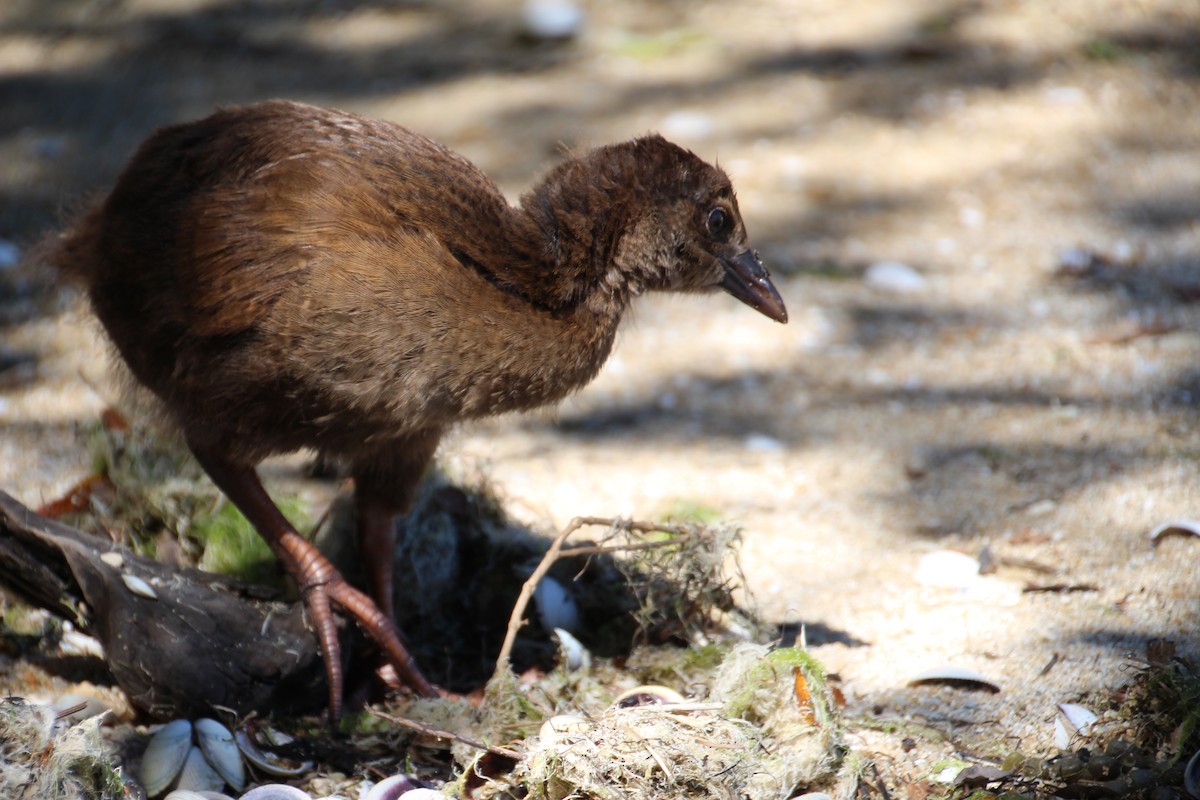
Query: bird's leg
x,y
385,486
319,581
377,551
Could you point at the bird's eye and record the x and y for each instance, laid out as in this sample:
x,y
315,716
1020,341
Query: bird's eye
x,y
719,223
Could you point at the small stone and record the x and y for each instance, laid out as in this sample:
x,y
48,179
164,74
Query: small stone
x,y
1075,259
552,19
947,569
760,443
895,276
1065,96
688,125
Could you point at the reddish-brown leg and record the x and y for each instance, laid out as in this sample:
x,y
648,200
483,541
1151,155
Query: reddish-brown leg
x,y
385,485
319,581
377,551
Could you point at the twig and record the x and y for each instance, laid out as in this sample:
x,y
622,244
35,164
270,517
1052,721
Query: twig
x,y
514,619
441,734
556,552
597,549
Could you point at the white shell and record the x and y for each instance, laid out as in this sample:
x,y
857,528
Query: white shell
x,y
92,706
138,586
560,724
188,794
198,775
267,762
221,751
276,791
391,788
1187,527
1070,722
947,569
552,19
575,655
647,696
113,559
164,756
556,606
422,794
896,277
953,674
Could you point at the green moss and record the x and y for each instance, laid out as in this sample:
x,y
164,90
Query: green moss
x,y
1104,49
769,670
233,547
667,43
687,510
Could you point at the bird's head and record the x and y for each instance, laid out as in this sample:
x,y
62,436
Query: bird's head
x,y
692,238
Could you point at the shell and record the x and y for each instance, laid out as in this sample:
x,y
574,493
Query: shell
x,y
138,586
268,762
956,676
422,793
1191,776
276,791
92,706
575,655
198,775
1072,721
392,788
221,751
562,723
1176,527
649,695
164,756
188,794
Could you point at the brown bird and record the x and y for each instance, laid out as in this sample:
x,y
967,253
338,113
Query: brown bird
x,y
284,276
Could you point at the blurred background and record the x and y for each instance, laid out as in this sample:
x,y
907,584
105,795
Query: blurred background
x,y
984,219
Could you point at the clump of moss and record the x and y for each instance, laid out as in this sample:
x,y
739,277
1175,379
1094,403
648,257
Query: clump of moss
x,y
231,546
753,737
41,758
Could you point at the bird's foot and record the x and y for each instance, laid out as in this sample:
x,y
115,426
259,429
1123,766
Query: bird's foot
x,y
323,587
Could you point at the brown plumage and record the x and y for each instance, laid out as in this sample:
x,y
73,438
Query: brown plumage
x,y
285,276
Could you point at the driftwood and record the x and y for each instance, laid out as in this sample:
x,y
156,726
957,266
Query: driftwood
x,y
200,642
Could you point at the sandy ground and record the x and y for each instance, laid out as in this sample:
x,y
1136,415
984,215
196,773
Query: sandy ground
x,y
1031,387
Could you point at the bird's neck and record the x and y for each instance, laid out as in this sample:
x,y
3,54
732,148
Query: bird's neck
x,y
573,236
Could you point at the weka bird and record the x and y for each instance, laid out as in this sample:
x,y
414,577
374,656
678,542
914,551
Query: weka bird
x,y
283,276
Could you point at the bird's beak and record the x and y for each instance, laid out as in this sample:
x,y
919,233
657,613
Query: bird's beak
x,y
748,280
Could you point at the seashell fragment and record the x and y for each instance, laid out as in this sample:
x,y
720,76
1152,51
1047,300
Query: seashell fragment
x,y
222,753
1176,527
269,762
392,788
113,559
422,793
562,723
198,775
955,676
948,569
649,695
575,655
1071,721
138,586
276,791
188,794
91,707
165,756
1191,776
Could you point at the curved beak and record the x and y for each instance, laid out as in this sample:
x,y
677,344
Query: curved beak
x,y
748,280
